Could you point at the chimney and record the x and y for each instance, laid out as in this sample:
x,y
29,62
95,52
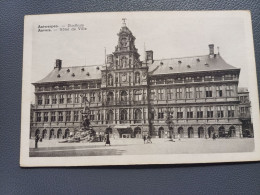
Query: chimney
x,y
58,63
149,56
211,49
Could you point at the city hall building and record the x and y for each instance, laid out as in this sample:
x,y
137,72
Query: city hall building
x,y
128,97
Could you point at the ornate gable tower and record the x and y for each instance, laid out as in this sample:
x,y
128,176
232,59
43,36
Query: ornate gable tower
x,y
124,87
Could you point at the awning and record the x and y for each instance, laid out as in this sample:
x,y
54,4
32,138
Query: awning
x,y
121,127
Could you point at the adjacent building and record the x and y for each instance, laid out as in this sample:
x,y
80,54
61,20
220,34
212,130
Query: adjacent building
x,y
128,97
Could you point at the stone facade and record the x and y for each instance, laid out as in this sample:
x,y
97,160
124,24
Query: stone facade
x,y
129,97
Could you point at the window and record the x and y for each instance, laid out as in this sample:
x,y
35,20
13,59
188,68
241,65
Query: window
x,y
123,115
170,110
178,80
53,116
229,91
69,99
76,115
138,115
123,96
199,112
219,91
60,116
169,94
169,81
189,113
54,99
39,99
208,92
242,110
179,93
229,77
61,99
92,97
160,113
197,79
179,113
188,79
138,95
76,98
45,118
38,117
160,81
47,99
137,77
220,112
92,115
92,85
152,94
98,116
210,112
160,94
189,92
231,111
110,80
199,92
68,115
208,78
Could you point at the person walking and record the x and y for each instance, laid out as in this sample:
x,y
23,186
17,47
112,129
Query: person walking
x,y
37,137
144,137
107,139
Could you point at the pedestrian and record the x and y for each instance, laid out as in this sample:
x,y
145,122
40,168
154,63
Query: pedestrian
x,y
107,139
144,137
179,137
36,140
149,139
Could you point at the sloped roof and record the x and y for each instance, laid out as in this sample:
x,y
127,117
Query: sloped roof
x,y
189,64
77,73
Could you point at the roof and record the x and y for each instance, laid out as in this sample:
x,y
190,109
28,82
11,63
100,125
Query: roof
x,y
189,64
77,73
243,90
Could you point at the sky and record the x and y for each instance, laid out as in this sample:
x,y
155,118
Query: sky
x,y
168,34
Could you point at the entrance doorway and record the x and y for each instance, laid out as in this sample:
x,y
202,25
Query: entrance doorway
x,y
161,132
52,134
59,134
44,134
221,132
125,133
181,132
67,133
232,131
200,132
190,132
137,132
210,131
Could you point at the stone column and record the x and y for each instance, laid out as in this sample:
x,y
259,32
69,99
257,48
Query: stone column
x,y
72,116
43,99
34,116
42,117
65,98
49,117
72,98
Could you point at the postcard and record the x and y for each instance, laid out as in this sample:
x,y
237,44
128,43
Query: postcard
x,y
139,88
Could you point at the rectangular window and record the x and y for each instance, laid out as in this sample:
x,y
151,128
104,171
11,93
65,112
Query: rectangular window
x,y
219,91
197,79
69,99
169,81
54,99
188,79
199,92
39,99
189,92
92,97
169,94
60,116
92,115
229,91
160,113
137,95
179,113
179,93
47,99
210,112
220,112
229,77
231,111
61,99
38,117
76,98
152,94
170,110
45,118
160,81
53,116
160,94
242,110
76,115
208,78
68,115
199,112
208,92
92,85
178,80
189,113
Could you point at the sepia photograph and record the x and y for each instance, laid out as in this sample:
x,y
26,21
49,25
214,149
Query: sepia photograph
x,y
129,88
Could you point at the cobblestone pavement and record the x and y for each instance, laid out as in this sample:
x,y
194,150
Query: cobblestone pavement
x,y
51,148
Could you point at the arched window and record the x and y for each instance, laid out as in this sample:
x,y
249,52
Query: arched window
x,y
44,134
138,116
123,115
200,132
137,78
124,61
110,97
59,133
221,131
110,80
137,95
67,133
110,116
123,96
190,132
